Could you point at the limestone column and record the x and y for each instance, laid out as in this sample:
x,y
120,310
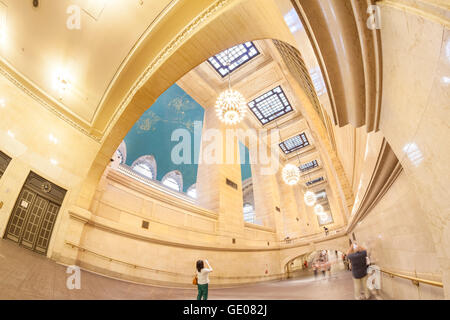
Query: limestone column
x,y
289,208
265,187
219,161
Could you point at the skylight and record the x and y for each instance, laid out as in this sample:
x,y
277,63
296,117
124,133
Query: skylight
x,y
270,106
310,183
317,79
294,143
309,166
237,56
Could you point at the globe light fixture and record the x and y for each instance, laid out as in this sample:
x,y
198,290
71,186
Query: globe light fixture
x,y
318,209
310,198
231,104
291,174
231,107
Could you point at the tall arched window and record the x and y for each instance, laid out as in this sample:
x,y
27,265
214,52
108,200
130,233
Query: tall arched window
x,y
145,166
192,191
120,156
173,180
249,213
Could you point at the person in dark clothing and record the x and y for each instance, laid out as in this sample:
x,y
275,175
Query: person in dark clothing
x,y
357,256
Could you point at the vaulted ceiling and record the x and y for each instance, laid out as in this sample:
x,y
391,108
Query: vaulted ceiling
x,y
254,79
49,42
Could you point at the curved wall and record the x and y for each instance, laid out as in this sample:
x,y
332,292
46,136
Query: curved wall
x,y
114,243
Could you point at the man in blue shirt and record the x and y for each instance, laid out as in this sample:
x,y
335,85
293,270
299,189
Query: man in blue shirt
x,y
357,256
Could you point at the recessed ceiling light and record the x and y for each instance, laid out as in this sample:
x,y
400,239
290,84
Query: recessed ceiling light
x,y
54,162
62,81
11,134
2,103
53,139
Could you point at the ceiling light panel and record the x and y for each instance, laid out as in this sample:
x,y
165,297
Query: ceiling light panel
x,y
237,56
295,143
309,166
315,181
270,106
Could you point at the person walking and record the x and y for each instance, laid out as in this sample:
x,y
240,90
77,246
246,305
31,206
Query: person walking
x,y
203,279
357,257
315,268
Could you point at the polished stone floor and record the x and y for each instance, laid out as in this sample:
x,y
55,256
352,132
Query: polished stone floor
x,y
27,275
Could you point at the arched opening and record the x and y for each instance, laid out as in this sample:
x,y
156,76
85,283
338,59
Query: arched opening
x,y
173,180
145,166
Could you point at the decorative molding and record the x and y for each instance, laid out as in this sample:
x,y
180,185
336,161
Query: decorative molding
x,y
18,79
13,79
258,227
386,171
295,63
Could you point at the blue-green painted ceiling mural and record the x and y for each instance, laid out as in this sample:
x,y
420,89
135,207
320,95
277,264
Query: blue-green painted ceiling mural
x,y
246,169
151,135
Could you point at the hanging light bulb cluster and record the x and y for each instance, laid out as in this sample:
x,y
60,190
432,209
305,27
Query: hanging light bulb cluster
x,y
310,198
318,209
231,107
291,174
231,104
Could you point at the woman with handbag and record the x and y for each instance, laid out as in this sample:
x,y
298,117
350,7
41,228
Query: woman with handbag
x,y
202,279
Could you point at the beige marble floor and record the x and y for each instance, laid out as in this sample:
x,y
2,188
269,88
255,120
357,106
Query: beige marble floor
x,y
27,275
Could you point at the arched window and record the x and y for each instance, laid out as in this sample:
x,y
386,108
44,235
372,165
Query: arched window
x,y
249,213
144,170
173,180
120,156
192,191
145,166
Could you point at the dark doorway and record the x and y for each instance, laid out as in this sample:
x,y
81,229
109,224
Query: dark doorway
x,y
34,214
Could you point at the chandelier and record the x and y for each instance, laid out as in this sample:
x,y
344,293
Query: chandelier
x,y
231,107
310,198
231,104
291,174
318,209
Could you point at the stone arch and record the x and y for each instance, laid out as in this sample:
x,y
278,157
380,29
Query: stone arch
x,y
338,243
158,63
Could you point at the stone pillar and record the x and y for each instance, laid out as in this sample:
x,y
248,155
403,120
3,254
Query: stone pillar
x,y
289,208
264,164
219,161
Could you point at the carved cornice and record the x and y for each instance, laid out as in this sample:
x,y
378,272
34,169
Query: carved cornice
x,y
43,99
386,171
259,228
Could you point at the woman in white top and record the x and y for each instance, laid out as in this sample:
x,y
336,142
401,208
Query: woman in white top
x,y
203,279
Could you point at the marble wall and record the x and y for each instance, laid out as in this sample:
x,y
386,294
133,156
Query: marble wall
x,y
416,108
398,240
